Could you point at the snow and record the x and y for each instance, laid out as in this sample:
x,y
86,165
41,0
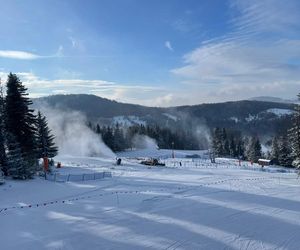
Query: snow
x,y
172,117
235,119
280,112
250,118
198,205
276,111
128,120
162,153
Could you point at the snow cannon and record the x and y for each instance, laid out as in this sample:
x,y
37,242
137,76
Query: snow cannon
x,y
118,162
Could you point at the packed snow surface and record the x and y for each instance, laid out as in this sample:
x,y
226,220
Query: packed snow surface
x,y
280,112
128,120
172,117
189,204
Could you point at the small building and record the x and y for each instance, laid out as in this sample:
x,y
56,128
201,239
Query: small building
x,y
265,162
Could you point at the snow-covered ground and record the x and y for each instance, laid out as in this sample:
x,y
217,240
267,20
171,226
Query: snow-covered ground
x,y
280,112
162,153
128,120
197,205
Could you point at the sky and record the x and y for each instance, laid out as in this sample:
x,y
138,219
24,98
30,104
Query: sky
x,y
154,53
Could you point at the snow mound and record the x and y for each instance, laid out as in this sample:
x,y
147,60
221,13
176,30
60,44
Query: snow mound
x,y
280,112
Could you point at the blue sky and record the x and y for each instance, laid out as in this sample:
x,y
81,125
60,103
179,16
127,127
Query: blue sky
x,y
157,53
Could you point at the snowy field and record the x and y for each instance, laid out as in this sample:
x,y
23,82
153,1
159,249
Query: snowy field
x,y
197,205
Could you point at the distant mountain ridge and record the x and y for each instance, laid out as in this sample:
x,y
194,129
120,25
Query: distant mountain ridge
x,y
272,99
251,116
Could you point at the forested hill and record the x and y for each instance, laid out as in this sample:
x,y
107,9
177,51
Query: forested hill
x,y
250,116
96,107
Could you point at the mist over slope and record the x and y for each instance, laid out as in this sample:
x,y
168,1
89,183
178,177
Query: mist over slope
x,y
251,117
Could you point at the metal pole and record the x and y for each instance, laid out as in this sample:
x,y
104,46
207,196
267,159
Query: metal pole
x,y
173,156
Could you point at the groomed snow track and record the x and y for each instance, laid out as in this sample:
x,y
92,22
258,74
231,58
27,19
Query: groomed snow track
x,y
158,208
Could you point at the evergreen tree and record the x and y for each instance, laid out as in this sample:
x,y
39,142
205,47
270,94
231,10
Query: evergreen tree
x,y
217,142
108,137
20,124
254,151
284,152
17,166
240,149
232,147
45,140
3,159
119,141
275,150
98,129
225,143
294,136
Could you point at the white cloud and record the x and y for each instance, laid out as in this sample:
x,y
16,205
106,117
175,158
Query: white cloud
x,y
260,56
77,44
132,93
73,42
59,52
16,54
168,45
24,55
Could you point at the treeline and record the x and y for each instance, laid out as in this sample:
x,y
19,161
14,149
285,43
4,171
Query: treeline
x,y
118,138
229,143
285,148
24,136
281,151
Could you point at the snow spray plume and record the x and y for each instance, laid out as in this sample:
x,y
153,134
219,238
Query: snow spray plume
x,y
144,142
198,128
72,135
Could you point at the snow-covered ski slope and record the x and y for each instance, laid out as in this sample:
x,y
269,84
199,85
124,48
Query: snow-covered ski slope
x,y
198,205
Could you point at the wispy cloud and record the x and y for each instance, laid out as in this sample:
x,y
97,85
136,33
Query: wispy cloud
x,y
59,52
24,55
77,44
261,53
16,54
125,92
168,45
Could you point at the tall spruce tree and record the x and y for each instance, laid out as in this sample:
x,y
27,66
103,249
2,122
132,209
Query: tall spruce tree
x,y
225,143
217,144
275,150
17,167
254,150
232,147
240,149
284,152
294,136
119,141
3,158
20,124
45,140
